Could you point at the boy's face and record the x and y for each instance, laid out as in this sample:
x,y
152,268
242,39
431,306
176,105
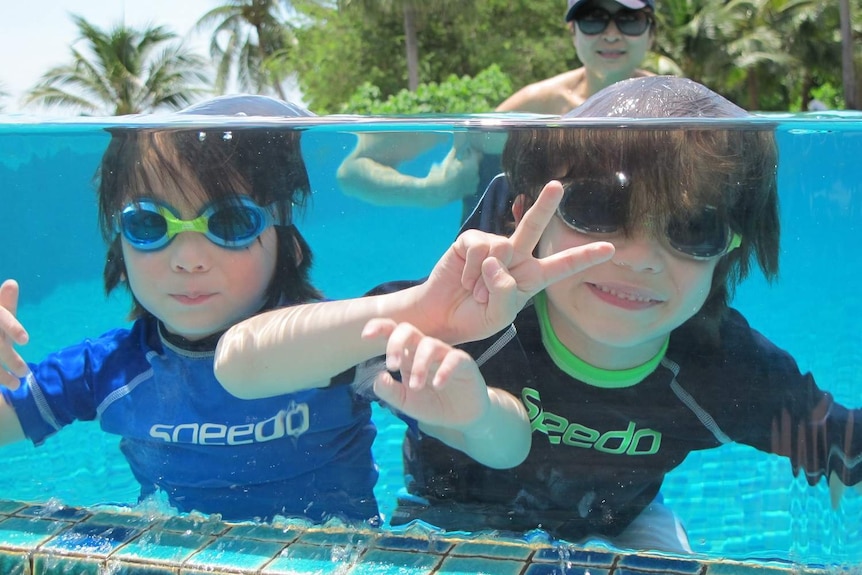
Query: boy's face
x,y
610,54
618,314
195,287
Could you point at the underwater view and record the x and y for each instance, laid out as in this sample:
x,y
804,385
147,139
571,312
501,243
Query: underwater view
x,y
740,493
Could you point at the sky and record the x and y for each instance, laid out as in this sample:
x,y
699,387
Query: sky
x,y
36,35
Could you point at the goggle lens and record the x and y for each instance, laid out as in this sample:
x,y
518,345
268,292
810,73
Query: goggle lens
x,y
629,22
236,224
143,226
591,206
149,225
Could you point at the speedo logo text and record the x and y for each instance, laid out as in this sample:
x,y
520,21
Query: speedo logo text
x,y
290,422
628,441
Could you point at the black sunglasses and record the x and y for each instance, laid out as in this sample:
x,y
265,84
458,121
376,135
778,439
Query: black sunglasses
x,y
629,22
598,206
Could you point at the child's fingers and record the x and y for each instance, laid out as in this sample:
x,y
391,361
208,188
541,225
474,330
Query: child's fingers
x,y
10,327
401,346
12,365
502,292
453,363
531,227
390,391
378,328
426,358
561,265
475,247
9,380
472,246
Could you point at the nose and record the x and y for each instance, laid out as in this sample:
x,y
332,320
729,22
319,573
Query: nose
x,y
640,252
190,252
612,33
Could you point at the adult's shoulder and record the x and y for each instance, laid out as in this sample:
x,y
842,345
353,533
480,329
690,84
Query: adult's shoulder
x,y
555,95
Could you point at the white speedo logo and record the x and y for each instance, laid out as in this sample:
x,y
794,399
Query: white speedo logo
x,y
290,422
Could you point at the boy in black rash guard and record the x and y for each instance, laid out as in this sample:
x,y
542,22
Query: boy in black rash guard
x,y
624,367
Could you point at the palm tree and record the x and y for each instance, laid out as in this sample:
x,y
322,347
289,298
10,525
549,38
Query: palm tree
x,y
814,41
127,71
847,56
412,12
737,47
254,32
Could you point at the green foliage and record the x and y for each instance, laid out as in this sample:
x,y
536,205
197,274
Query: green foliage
x,y
453,96
831,96
761,54
340,49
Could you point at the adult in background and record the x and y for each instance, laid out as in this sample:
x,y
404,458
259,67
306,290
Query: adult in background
x,y
611,38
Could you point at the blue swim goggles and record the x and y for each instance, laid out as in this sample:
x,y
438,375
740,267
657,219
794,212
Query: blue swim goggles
x,y
150,225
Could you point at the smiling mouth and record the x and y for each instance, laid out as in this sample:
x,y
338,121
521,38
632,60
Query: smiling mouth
x,y
626,295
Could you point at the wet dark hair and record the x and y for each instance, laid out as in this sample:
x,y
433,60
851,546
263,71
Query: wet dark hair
x,y
674,170
265,164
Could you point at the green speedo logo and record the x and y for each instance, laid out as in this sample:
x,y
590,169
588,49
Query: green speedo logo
x,y
629,441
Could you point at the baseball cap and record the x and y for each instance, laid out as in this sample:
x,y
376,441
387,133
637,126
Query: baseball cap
x,y
575,5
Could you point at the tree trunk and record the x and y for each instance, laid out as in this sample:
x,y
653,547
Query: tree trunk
x,y
807,84
848,75
263,55
412,43
753,85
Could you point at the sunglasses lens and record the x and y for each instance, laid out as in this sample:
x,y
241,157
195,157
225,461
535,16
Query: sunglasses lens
x,y
593,24
705,236
593,206
631,23
143,226
236,225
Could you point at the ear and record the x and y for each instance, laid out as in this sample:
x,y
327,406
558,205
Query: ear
x,y
519,208
297,251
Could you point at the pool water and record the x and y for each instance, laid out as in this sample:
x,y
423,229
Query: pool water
x,y
735,502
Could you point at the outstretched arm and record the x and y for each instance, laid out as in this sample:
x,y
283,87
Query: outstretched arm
x,y
475,290
371,172
441,387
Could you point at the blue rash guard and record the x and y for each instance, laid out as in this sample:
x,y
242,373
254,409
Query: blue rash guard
x,y
306,454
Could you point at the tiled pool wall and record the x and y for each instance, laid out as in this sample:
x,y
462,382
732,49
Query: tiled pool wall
x,y
45,539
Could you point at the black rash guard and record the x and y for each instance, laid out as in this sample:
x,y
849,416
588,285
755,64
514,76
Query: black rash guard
x,y
601,450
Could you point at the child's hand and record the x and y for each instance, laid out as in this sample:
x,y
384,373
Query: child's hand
x,y
12,366
440,385
483,281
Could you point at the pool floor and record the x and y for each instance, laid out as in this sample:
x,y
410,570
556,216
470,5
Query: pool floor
x,y
45,539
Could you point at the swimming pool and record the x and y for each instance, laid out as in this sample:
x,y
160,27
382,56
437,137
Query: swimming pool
x,y
735,502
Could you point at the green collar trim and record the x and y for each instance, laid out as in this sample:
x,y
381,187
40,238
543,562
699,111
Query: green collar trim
x,y
578,368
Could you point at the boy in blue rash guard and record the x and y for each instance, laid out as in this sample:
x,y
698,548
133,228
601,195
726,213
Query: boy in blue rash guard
x,y
624,367
233,190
